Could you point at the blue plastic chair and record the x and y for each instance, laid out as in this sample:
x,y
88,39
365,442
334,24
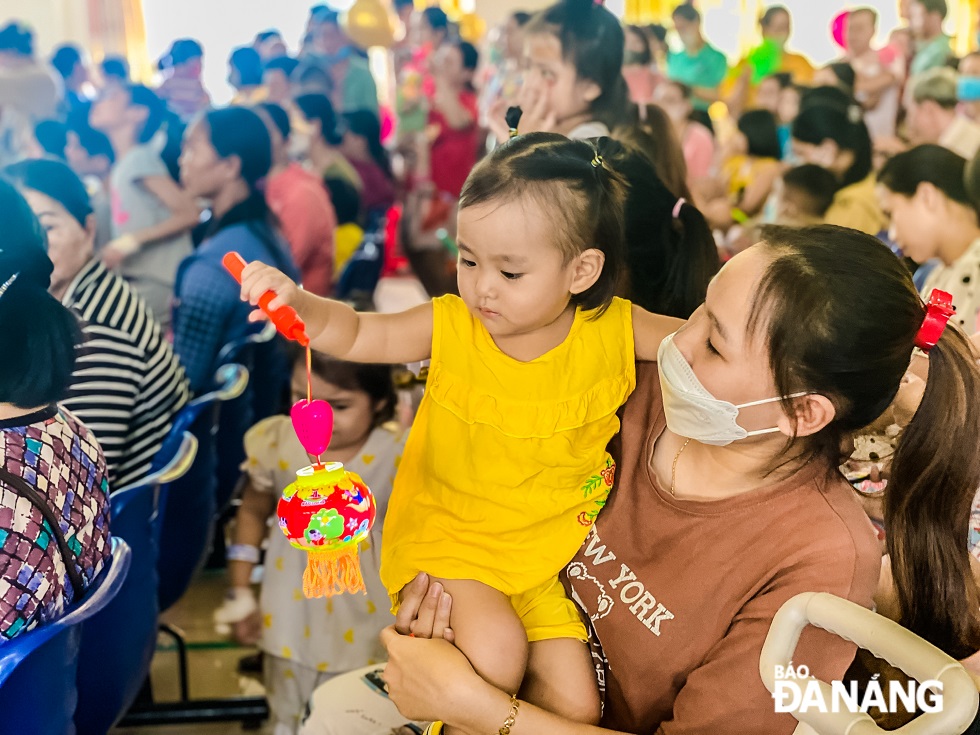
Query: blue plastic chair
x,y
363,271
38,669
238,415
118,643
189,503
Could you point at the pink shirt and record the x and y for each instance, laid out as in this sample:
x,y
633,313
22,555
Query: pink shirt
x,y
642,81
699,151
307,220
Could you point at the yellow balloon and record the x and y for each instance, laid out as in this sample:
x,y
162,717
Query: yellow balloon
x,y
472,27
368,24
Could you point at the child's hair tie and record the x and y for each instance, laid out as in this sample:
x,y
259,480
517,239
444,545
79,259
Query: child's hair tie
x,y
513,118
677,207
938,312
597,161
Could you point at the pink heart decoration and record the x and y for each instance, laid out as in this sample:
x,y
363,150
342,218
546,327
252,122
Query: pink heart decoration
x,y
313,424
838,29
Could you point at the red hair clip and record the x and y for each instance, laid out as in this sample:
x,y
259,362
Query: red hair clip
x,y
938,311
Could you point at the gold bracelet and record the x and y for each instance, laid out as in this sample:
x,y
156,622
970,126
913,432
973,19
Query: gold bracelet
x,y
515,705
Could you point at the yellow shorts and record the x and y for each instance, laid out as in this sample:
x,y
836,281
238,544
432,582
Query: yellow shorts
x,y
547,613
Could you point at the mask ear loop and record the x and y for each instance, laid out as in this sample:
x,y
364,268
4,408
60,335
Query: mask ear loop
x,y
770,400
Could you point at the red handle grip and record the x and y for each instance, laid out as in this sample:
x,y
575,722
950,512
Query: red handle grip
x,y
285,318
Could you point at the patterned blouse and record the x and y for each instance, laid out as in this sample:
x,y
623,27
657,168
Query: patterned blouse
x,y
59,457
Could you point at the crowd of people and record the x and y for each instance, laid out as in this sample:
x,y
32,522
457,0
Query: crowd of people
x,y
676,319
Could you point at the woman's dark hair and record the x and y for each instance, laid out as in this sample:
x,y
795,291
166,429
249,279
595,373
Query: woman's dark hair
x,y
469,54
845,127
345,199
311,77
54,179
761,132
238,131
317,108
279,117
174,129
521,17
654,136
816,184
783,78
646,55
182,51
286,64
770,15
365,124
263,36
116,67
375,380
576,187
52,136
686,11
686,92
95,142
39,334
592,41
658,31
840,316
247,62
670,260
156,115
17,38
436,19
845,74
832,96
65,58
931,164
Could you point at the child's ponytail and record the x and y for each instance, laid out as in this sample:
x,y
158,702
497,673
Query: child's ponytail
x,y
935,476
610,235
670,252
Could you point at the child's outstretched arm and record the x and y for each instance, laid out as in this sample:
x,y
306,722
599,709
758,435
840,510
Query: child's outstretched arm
x,y
338,330
649,330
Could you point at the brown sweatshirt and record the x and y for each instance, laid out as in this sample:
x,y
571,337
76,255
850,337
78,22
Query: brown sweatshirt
x,y
681,593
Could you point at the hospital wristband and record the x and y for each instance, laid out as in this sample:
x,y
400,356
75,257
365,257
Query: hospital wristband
x,y
243,552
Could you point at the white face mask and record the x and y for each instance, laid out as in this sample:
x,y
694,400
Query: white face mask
x,y
299,145
690,408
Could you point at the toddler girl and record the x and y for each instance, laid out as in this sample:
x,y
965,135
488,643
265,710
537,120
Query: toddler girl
x,y
506,466
308,641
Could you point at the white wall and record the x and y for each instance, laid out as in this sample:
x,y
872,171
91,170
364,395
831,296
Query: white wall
x,y
220,26
734,31
53,21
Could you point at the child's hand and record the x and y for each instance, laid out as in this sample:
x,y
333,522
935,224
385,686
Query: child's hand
x,y
424,610
538,116
257,278
239,616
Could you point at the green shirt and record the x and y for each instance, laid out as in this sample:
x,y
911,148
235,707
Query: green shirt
x,y
707,68
360,91
931,54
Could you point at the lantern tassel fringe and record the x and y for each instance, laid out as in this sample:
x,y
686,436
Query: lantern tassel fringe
x,y
330,573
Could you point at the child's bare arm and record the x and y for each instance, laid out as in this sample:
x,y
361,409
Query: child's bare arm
x,y
338,330
649,330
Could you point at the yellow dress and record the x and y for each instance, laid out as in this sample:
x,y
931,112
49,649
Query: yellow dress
x,y
506,467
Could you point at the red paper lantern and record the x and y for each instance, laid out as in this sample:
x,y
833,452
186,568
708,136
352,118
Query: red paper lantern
x,y
327,512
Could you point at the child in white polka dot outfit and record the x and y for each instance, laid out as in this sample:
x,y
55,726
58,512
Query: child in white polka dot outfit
x,y
307,641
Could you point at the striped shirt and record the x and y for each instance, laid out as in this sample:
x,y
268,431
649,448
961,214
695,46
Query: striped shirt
x,y
128,385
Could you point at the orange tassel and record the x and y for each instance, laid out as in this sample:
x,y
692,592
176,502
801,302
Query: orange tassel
x,y
330,573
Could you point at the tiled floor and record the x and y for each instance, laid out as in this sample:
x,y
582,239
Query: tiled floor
x,y
212,661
